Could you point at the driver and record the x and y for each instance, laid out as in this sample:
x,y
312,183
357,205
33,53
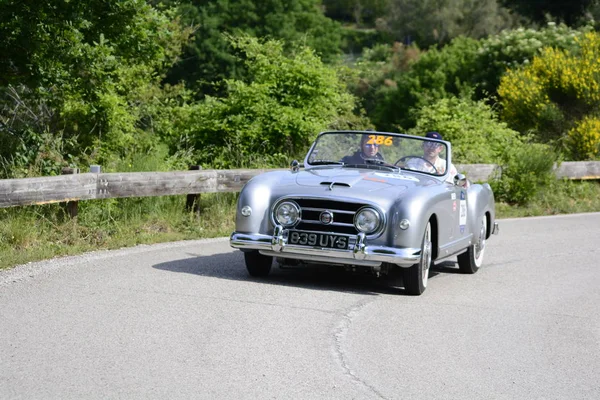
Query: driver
x,y
431,153
367,151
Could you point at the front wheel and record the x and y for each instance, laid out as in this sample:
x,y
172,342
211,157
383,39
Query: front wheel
x,y
415,277
257,264
470,261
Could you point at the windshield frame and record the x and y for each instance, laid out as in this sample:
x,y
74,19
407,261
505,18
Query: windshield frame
x,y
337,164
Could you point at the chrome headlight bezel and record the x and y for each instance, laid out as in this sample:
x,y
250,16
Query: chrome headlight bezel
x,y
290,206
374,220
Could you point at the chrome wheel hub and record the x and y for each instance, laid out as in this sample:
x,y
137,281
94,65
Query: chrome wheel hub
x,y
480,245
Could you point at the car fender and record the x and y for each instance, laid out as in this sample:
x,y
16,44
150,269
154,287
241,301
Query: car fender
x,y
257,194
480,201
417,207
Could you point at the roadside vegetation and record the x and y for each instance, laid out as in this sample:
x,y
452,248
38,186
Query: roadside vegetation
x,y
152,85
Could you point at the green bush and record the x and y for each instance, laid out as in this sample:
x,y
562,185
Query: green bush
x,y
434,75
558,93
276,113
463,66
472,126
513,48
87,72
524,172
584,139
354,40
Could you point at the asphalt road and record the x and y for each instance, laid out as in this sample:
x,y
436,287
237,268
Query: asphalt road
x,y
184,320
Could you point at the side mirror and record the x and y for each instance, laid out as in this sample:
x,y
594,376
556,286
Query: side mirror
x,y
295,166
460,180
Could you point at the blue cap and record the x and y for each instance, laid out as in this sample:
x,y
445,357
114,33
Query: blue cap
x,y
434,135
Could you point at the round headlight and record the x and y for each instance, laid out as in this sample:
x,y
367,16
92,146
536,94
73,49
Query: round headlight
x,y
367,220
287,213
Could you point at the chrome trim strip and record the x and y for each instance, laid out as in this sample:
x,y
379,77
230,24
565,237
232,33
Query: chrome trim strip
x,y
307,221
359,252
330,209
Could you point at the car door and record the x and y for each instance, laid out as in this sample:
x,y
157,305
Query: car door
x,y
453,221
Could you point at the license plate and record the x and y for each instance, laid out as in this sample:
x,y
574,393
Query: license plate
x,y
314,239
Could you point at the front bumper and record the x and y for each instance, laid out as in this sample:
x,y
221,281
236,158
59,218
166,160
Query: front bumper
x,y
359,252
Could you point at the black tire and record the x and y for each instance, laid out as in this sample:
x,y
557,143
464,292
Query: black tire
x,y
470,261
257,264
415,278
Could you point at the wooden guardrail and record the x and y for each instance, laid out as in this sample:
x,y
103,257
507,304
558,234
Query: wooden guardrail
x,y
89,186
575,170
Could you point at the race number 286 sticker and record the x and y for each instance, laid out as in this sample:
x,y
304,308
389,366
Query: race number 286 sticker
x,y
462,221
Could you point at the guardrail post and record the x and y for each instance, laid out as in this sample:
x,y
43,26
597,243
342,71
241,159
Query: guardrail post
x,y
70,207
192,202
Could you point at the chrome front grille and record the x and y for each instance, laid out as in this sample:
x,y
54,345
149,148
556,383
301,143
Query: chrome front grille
x,y
343,215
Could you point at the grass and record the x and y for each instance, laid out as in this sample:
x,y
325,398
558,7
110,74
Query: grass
x,y
42,232
561,197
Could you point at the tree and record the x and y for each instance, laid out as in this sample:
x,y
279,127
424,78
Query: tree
x,y
429,22
464,66
276,112
356,11
557,98
568,12
210,57
84,71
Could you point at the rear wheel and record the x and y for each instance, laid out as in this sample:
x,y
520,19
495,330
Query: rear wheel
x,y
470,261
257,264
415,277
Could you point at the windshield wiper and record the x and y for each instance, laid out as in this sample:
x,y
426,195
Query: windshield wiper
x,y
325,162
374,164
381,163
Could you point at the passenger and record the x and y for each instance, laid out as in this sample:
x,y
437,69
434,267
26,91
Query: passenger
x,y
431,161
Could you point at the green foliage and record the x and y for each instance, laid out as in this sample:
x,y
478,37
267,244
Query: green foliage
x,y
560,197
540,10
550,96
374,78
434,75
360,12
472,127
286,101
513,48
42,232
525,171
355,40
88,72
438,22
210,57
463,66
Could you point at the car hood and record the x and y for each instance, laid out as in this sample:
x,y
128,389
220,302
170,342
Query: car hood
x,y
361,179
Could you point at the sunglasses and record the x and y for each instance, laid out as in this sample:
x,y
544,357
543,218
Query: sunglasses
x,y
371,145
432,144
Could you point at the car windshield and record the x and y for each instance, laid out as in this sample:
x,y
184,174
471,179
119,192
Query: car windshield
x,y
379,150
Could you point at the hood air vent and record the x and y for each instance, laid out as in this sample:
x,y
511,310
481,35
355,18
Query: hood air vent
x,y
332,184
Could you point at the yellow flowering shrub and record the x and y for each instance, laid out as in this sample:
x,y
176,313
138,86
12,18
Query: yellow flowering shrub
x,y
584,139
554,92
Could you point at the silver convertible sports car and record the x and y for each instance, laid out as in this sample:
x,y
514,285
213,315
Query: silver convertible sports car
x,y
366,200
